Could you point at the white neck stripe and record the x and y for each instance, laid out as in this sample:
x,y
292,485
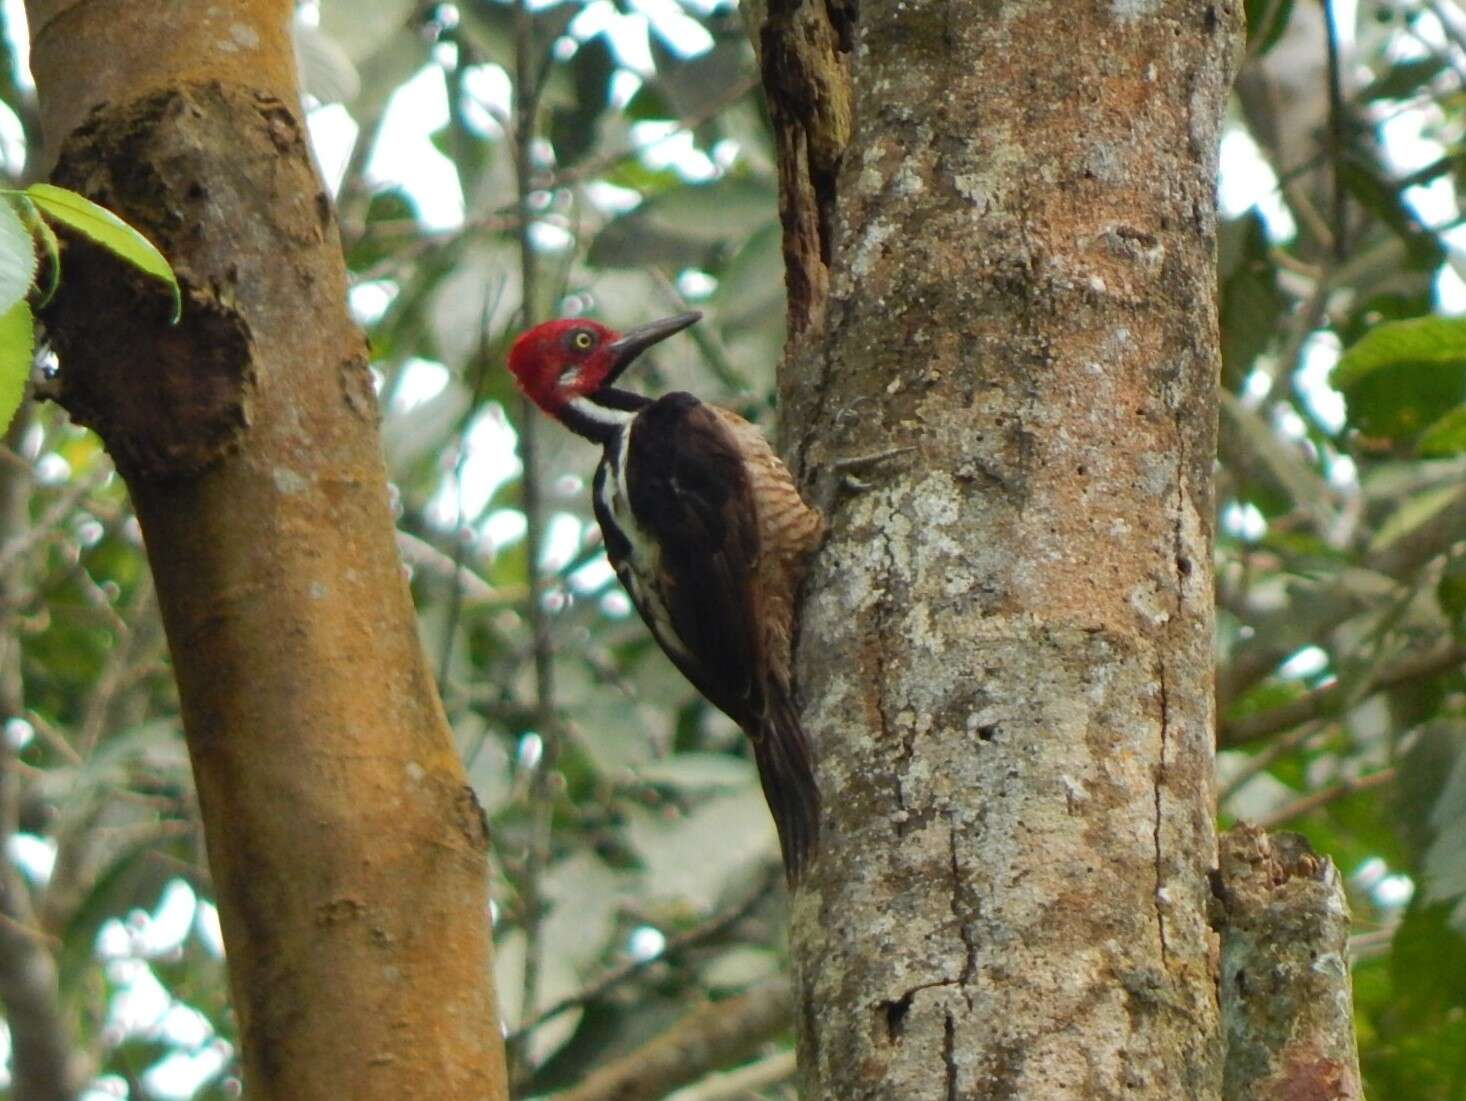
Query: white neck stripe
x,y
600,414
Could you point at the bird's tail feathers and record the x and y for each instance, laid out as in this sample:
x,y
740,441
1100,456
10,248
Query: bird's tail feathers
x,y
785,761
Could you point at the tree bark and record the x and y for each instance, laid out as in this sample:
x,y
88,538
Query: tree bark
x,y
999,223
1287,1005
347,851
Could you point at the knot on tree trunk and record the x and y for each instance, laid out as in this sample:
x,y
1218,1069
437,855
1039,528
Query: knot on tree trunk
x,y
169,400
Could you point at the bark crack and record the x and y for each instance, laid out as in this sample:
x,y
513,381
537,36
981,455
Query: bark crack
x,y
1157,783
894,1010
1181,569
908,737
949,1053
964,930
883,720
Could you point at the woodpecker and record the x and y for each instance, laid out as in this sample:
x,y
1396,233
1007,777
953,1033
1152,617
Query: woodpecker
x,y
707,534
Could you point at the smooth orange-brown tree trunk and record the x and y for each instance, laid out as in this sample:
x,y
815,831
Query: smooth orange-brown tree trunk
x,y
347,852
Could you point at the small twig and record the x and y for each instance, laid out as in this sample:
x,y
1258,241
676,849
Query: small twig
x,y
690,938
120,659
1263,761
713,1036
460,525
508,217
527,85
30,931
422,555
1373,944
1309,803
1339,600
1336,132
54,518
702,336
594,166
1330,700
53,737
745,1082
1448,27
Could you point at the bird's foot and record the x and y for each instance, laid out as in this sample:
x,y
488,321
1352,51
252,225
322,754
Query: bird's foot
x,y
840,477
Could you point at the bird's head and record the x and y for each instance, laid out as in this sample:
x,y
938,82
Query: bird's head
x,y
558,361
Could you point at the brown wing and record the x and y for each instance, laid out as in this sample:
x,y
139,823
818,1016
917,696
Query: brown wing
x,y
789,532
689,493
733,536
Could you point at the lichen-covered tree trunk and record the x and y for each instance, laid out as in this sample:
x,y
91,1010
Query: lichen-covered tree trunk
x,y
346,850
999,226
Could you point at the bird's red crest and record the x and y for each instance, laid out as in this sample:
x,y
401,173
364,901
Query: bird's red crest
x,y
560,360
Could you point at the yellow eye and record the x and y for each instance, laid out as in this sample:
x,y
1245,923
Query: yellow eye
x,y
582,341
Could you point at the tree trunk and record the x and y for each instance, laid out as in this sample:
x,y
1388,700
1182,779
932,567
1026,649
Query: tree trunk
x,y
1286,1000
999,227
346,849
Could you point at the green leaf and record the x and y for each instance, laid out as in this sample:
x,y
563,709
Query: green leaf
x,y
695,86
1381,196
1401,376
1266,21
751,285
1250,301
677,227
17,342
41,231
573,124
1446,436
17,257
107,230
1404,79
1260,455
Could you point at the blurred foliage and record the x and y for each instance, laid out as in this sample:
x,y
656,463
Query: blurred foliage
x,y
1341,554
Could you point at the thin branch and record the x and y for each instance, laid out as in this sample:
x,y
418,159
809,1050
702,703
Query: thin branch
x,y
422,555
1336,136
736,1085
512,216
51,522
460,526
1273,633
716,1035
528,82
117,669
1373,944
704,337
1324,796
1448,24
593,166
45,1062
705,931
1337,697
1261,762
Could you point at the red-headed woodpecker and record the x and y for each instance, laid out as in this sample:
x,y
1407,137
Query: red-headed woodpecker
x,y
706,531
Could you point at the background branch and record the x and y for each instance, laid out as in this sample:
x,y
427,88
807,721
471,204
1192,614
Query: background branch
x,y
711,1037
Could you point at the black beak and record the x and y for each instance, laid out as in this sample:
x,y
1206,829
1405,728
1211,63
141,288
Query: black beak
x,y
625,348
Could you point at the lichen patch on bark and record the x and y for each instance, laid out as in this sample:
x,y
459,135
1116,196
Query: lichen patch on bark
x,y
1006,646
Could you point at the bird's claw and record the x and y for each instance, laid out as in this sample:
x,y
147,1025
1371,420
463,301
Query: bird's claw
x,y
839,477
